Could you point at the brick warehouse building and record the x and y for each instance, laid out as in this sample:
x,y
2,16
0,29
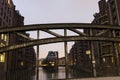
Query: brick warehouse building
x,y
109,13
17,59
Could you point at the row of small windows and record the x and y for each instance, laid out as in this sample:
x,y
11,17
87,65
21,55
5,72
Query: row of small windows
x,y
6,14
5,9
6,23
4,2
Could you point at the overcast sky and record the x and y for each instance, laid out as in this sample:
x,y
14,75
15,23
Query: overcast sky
x,y
56,11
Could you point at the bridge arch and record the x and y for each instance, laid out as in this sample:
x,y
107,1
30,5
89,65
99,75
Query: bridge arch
x,y
82,36
60,39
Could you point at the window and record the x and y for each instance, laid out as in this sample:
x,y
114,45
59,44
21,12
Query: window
x,y
9,2
5,38
2,36
1,45
2,57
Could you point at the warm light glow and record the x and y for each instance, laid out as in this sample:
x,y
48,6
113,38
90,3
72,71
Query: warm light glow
x,y
21,63
9,2
112,60
2,36
104,59
1,45
5,38
2,57
88,52
52,64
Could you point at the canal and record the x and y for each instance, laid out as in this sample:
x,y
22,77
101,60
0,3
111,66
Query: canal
x,y
60,74
47,74
43,74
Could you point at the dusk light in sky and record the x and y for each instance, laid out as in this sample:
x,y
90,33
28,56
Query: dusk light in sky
x,y
56,11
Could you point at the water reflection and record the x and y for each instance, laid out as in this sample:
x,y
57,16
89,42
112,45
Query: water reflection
x,y
60,74
51,74
43,74
20,75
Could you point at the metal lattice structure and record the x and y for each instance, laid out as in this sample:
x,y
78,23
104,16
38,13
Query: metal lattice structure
x,y
61,38
95,33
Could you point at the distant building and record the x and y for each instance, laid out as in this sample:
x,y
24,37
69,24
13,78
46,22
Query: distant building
x,y
23,58
51,60
79,58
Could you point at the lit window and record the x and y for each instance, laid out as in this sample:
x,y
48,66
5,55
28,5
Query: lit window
x,y
5,38
9,2
2,57
104,60
2,36
112,59
21,63
2,44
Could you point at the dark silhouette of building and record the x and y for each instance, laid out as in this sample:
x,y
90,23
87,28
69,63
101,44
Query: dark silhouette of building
x,y
109,14
104,52
51,61
19,59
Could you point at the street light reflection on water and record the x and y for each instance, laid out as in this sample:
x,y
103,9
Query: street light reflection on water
x,y
48,75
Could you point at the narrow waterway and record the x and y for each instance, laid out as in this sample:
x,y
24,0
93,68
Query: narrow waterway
x,y
43,74
60,74
47,74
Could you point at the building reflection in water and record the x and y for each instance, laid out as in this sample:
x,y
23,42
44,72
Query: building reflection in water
x,y
43,74
20,75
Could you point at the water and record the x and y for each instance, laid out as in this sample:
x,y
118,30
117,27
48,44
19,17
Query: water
x,y
43,74
60,74
48,75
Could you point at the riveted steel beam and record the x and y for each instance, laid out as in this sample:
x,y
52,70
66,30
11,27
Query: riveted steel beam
x,y
102,32
23,35
57,26
78,32
60,39
52,33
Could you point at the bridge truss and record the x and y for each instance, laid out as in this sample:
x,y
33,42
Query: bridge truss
x,y
94,33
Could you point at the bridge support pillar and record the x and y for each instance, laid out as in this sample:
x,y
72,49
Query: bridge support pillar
x,y
37,58
66,54
116,55
93,56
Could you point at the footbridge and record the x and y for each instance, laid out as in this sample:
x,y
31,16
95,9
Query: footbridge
x,y
62,38
83,32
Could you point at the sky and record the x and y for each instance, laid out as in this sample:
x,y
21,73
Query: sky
x,y
56,11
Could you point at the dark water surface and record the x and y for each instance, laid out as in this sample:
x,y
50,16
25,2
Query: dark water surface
x,y
43,74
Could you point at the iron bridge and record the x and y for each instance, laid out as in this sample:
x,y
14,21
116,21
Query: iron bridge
x,y
62,38
94,33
